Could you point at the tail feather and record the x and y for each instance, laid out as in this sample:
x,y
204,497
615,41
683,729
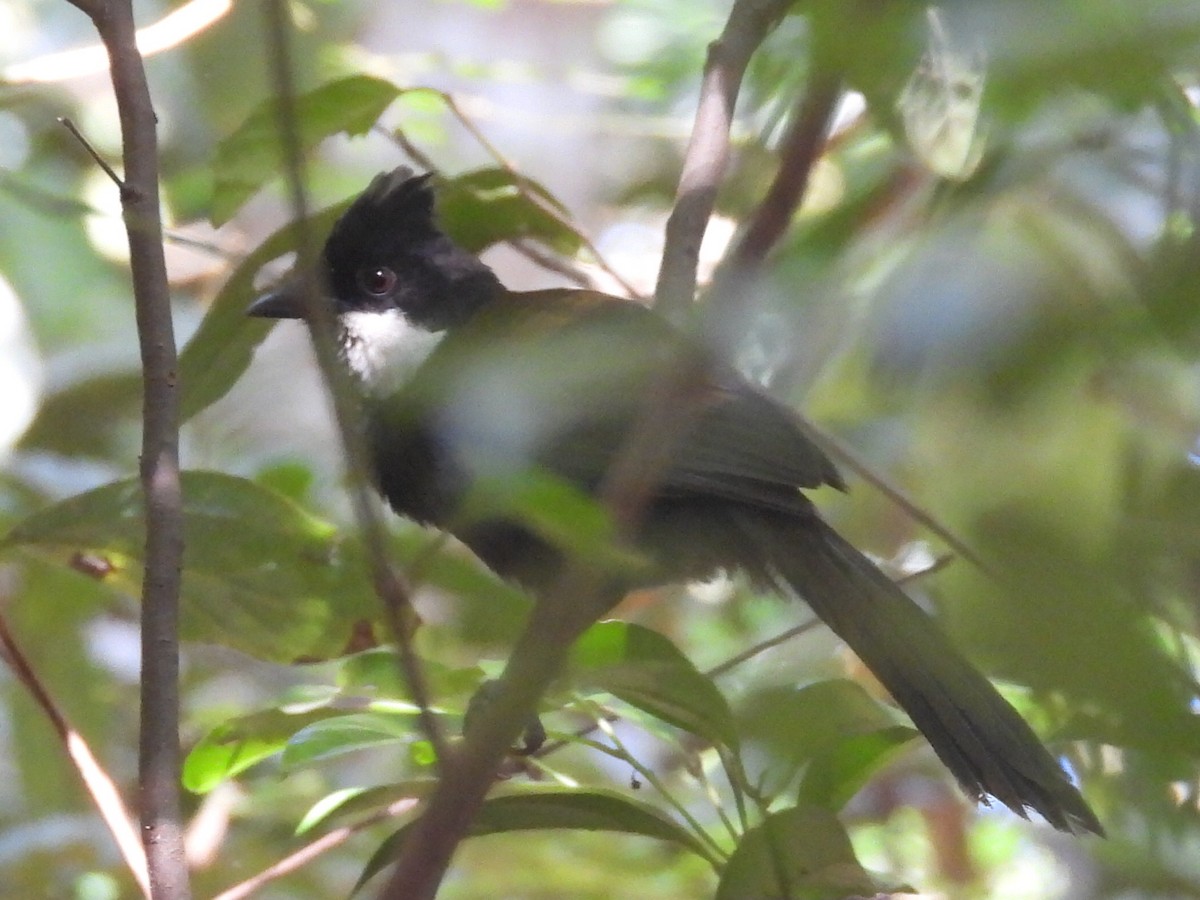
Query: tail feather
x,y
984,742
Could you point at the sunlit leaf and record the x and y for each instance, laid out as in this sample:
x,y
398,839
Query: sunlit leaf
x,y
338,735
356,801
236,745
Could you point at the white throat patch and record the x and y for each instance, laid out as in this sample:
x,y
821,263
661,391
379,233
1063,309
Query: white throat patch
x,y
383,349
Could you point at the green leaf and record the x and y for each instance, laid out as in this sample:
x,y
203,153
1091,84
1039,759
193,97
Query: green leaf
x,y
377,672
557,808
802,853
236,745
808,729
87,418
331,737
487,206
646,670
251,156
222,347
260,574
835,776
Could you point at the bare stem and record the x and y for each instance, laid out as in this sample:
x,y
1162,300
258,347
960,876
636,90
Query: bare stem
x,y
707,155
158,747
390,588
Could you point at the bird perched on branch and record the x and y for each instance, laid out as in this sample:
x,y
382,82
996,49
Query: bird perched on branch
x,y
465,383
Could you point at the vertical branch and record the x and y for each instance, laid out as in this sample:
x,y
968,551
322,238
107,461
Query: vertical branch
x,y
707,155
798,154
393,593
158,747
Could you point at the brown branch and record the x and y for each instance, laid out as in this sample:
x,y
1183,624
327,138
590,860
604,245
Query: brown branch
x,y
707,155
799,152
311,851
391,590
158,746
96,781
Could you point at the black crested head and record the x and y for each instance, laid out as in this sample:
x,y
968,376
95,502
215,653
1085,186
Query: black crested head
x,y
386,252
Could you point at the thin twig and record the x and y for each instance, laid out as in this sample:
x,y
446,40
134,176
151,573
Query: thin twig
x,y
158,746
621,752
845,454
750,652
311,851
783,637
535,197
96,781
92,151
392,592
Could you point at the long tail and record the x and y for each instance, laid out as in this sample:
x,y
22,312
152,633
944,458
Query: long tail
x,y
977,734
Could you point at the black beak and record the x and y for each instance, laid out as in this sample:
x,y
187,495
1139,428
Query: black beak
x,y
281,303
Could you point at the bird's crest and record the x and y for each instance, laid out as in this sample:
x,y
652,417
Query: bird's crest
x,y
398,203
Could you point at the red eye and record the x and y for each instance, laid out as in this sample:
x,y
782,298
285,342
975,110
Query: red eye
x,y
377,281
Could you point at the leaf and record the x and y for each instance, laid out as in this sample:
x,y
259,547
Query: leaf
x,y
251,156
832,730
88,417
488,206
802,853
378,673
556,808
646,670
261,575
236,745
222,347
835,776
336,736
554,509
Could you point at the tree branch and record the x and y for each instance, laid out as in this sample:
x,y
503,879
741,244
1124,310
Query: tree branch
x,y
158,747
707,155
389,587
798,154
99,785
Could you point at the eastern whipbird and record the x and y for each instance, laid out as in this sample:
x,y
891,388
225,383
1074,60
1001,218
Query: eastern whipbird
x,y
464,382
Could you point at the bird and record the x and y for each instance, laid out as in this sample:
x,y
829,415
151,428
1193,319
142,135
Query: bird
x,y
464,384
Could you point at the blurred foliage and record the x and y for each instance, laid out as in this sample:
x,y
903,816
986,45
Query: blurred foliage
x,y
991,294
